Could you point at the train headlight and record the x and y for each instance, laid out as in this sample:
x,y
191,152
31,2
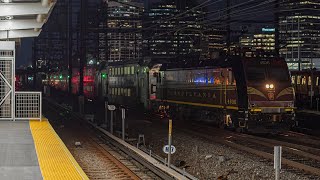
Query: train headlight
x,y
268,86
271,86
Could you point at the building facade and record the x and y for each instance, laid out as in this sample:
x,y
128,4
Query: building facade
x,y
260,43
299,33
171,33
124,31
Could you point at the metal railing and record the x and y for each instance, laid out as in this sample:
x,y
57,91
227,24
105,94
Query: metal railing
x,y
28,105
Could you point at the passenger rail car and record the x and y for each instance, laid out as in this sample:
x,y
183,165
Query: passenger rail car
x,y
234,92
306,83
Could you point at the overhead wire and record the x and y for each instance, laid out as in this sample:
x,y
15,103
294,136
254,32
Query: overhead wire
x,y
220,18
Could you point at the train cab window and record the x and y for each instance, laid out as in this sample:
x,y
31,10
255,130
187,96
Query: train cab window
x,y
303,80
279,74
317,82
256,73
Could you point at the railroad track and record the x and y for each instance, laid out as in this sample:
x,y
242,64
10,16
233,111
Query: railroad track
x,y
142,164
299,138
295,156
98,159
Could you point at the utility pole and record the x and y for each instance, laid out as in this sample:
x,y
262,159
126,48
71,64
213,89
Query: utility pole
x,y
34,63
70,41
83,28
276,25
228,27
299,45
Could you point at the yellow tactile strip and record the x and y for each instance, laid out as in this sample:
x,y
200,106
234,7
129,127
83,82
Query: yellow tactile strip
x,y
55,160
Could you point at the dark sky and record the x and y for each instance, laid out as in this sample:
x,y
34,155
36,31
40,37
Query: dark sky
x,y
24,54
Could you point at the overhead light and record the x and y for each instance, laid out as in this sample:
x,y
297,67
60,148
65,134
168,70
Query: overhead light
x,y
9,17
6,1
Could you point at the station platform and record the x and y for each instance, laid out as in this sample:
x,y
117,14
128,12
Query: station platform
x,y
32,150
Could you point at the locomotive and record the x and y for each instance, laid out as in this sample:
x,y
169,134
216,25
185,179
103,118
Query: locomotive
x,y
234,92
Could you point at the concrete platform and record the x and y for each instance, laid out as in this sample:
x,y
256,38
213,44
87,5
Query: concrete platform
x,y
32,150
18,158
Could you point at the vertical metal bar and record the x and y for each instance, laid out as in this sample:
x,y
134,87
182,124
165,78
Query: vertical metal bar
x,y
13,106
106,112
228,27
83,43
70,41
40,107
123,123
299,58
277,26
277,161
111,123
169,141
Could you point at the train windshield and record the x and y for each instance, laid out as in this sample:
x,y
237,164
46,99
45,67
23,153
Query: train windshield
x,y
278,73
267,71
256,73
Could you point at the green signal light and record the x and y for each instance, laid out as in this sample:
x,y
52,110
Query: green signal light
x,y
104,75
60,77
68,76
54,77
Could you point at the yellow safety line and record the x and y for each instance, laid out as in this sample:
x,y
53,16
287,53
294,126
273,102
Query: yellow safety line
x,y
55,160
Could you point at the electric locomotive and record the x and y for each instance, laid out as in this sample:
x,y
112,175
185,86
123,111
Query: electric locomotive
x,y
233,92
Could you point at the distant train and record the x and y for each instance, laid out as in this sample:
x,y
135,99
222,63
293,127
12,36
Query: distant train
x,y
307,87
235,92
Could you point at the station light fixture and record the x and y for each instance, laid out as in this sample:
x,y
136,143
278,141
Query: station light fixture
x,y
6,1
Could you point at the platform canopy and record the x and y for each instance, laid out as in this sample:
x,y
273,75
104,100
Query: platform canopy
x,y
23,18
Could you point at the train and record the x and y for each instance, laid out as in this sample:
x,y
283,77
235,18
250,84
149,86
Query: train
x,y
235,92
307,88
241,93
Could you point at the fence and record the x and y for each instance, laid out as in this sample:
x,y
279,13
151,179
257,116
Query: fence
x,y
28,105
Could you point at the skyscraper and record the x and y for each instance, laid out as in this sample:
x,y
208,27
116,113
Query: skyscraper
x,y
299,33
170,33
124,36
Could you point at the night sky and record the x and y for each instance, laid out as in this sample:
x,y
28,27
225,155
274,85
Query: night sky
x,y
24,53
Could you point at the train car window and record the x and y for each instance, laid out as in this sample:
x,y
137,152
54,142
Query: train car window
x,y
217,78
299,80
293,79
317,82
309,80
129,92
132,69
304,80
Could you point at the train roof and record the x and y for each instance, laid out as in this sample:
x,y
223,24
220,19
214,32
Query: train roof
x,y
202,64
222,62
